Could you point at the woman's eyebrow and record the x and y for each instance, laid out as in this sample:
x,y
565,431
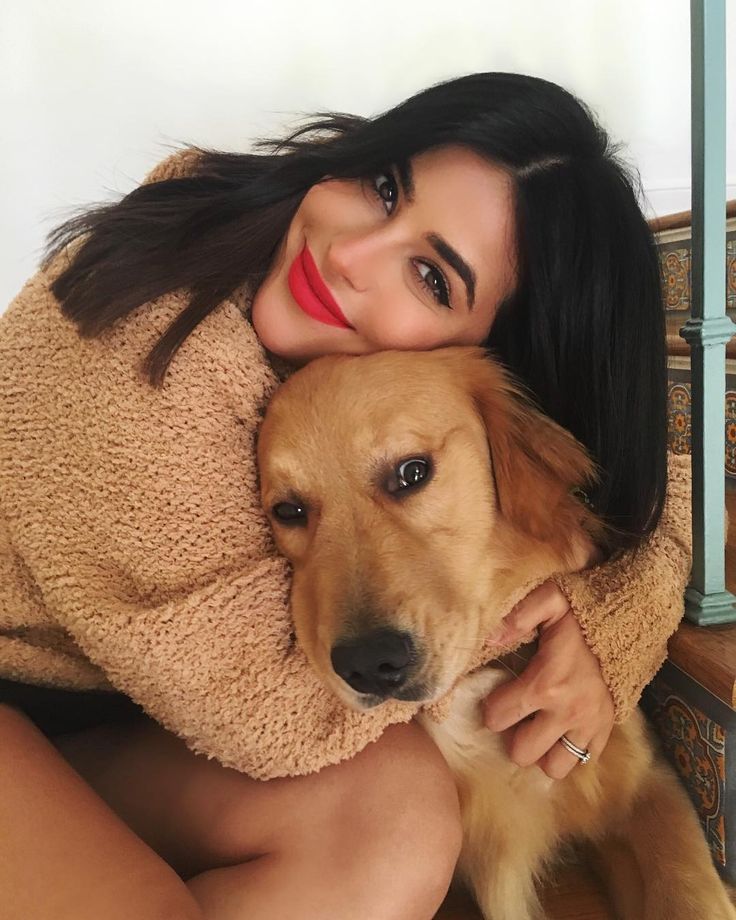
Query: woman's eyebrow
x,y
441,246
453,258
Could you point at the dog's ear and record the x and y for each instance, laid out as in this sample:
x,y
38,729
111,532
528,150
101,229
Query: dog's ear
x,y
537,465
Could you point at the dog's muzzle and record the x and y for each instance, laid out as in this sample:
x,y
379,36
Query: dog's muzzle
x,y
378,663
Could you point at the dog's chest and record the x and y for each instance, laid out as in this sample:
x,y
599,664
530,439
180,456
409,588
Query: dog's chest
x,y
478,756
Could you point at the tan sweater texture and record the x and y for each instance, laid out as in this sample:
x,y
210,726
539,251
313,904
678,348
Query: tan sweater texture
x,y
134,553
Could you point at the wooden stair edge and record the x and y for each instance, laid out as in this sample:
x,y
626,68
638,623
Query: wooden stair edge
x,y
707,654
682,219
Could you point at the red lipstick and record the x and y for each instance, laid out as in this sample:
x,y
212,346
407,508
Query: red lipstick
x,y
312,294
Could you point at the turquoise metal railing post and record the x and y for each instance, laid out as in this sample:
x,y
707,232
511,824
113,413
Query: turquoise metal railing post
x,y
708,330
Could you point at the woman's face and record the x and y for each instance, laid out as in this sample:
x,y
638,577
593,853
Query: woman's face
x,y
410,262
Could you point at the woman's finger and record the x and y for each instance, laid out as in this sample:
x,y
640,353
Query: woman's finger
x,y
543,606
532,739
558,761
509,704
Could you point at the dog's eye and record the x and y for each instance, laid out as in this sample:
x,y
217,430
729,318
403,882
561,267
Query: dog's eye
x,y
410,473
413,471
289,513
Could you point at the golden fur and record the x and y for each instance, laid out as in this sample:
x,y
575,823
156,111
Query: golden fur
x,y
440,562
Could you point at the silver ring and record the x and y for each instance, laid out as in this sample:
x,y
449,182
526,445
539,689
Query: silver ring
x,y
583,755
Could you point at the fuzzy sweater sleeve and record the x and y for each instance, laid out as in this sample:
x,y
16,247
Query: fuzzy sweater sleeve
x,y
136,514
628,608
177,165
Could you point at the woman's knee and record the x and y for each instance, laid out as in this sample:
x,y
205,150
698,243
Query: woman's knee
x,y
383,827
411,832
386,823
403,786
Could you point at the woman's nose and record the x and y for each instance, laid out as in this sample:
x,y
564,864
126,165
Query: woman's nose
x,y
353,258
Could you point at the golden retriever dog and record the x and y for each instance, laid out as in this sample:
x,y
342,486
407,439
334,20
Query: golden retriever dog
x,y
414,494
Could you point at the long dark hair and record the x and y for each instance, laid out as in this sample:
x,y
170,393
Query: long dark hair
x,y
584,329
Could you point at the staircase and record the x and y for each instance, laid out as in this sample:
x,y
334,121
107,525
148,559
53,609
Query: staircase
x,y
692,701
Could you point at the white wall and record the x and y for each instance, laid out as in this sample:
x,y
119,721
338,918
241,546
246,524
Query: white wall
x,y
91,91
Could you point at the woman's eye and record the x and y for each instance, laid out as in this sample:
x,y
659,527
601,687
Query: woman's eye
x,y
387,190
289,513
434,281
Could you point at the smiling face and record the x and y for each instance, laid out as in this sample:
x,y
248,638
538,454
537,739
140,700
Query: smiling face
x,y
414,260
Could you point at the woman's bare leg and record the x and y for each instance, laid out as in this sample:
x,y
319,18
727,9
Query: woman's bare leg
x,y
64,855
375,838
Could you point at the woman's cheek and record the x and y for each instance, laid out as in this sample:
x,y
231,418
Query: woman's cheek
x,y
405,328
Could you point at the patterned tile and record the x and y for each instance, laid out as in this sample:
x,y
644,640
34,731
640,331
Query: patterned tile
x,y
679,423
675,262
696,745
675,269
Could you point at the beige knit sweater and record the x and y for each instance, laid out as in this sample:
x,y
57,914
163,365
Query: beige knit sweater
x,y
134,553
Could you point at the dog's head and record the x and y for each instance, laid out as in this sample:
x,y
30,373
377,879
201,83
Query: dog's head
x,y
412,491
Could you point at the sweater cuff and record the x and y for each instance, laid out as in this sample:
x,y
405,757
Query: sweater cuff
x,y
629,607
628,635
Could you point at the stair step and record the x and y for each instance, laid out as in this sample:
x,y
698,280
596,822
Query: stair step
x,y
708,654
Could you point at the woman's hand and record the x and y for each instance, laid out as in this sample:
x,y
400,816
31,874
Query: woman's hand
x,y
561,689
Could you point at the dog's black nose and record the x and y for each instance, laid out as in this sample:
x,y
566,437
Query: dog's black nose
x,y
376,662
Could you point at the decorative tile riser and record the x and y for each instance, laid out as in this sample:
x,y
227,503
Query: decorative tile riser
x,y
675,251
675,258
698,733
679,419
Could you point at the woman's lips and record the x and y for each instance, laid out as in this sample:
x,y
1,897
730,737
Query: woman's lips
x,y
312,294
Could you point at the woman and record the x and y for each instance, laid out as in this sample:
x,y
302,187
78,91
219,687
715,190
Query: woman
x,y
490,209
